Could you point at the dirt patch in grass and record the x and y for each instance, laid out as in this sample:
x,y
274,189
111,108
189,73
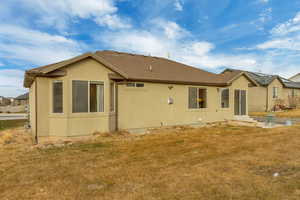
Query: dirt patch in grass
x,y
284,114
222,162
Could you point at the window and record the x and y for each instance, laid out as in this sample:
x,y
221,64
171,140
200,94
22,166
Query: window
x,y
275,92
96,97
139,85
130,84
197,98
57,89
87,96
80,96
112,97
135,84
293,93
225,98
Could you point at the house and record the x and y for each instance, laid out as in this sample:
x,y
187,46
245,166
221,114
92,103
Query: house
x,y
4,101
21,100
272,90
107,91
295,78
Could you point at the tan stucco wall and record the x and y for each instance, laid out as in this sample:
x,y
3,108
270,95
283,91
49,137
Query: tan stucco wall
x,y
296,78
287,93
148,107
137,107
257,99
32,118
68,123
271,100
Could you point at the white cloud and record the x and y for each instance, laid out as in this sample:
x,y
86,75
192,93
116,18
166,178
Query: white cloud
x,y
170,29
61,13
178,5
284,36
34,46
159,43
113,22
11,82
291,26
1,64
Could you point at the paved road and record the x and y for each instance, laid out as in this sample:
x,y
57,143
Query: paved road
x,y
12,116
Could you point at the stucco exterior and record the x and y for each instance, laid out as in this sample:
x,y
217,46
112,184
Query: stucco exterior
x,y
136,108
296,78
261,98
154,110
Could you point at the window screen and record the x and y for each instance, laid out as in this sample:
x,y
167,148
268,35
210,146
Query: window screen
x,y
80,96
57,97
96,97
193,98
275,92
139,84
225,98
112,97
197,98
202,98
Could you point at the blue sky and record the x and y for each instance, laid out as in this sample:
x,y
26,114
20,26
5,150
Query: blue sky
x,y
256,35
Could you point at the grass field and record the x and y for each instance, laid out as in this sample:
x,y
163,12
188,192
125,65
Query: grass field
x,y
224,162
8,124
285,114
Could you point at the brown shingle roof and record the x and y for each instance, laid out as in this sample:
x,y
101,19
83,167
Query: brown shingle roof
x,y
142,68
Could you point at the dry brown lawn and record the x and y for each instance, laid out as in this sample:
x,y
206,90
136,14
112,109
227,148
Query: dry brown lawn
x,y
223,162
295,113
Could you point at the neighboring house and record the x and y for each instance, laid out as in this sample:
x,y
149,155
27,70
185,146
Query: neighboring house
x,y
271,90
4,101
107,91
21,100
295,78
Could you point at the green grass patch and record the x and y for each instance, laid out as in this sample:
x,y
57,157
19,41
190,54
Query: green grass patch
x,y
8,124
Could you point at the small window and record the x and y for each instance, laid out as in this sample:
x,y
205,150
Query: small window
x,y
96,97
139,84
57,97
275,92
112,97
130,84
225,98
80,97
197,98
293,93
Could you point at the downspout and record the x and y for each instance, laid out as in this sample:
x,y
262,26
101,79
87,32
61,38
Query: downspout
x,y
36,115
116,105
267,100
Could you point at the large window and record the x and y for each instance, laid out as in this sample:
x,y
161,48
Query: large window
x,y
96,97
275,92
57,89
225,98
87,96
197,98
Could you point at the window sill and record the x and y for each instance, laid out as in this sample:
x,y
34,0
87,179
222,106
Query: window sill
x,y
197,110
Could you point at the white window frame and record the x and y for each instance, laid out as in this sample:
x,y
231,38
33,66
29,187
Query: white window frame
x,y
198,108
221,90
89,83
52,97
275,93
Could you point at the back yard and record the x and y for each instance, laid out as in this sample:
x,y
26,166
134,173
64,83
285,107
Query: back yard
x,y
223,162
295,113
